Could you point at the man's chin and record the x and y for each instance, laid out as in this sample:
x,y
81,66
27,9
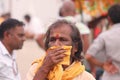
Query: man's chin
x,y
20,47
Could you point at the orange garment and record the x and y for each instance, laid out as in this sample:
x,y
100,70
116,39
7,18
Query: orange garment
x,y
69,73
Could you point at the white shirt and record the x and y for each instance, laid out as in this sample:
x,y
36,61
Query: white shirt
x,y
81,27
35,26
8,66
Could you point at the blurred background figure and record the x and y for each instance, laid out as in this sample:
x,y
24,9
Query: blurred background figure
x,y
34,29
109,43
68,12
4,16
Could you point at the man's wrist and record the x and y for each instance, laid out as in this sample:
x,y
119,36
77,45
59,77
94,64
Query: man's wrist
x,y
102,65
45,69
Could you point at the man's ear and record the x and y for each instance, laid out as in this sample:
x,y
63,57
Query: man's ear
x,y
6,34
109,19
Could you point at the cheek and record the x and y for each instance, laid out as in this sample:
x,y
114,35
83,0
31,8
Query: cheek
x,y
50,44
73,50
17,38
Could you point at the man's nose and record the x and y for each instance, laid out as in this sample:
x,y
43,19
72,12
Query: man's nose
x,y
57,43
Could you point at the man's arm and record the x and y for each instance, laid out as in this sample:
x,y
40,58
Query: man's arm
x,y
42,73
52,58
93,60
108,66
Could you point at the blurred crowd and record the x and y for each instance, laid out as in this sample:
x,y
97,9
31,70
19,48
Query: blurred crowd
x,y
95,33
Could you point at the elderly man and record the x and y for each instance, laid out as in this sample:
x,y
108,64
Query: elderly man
x,y
63,55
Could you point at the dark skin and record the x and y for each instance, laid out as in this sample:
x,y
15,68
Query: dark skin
x,y
14,38
59,36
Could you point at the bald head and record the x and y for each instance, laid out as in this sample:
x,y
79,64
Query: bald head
x,y
67,9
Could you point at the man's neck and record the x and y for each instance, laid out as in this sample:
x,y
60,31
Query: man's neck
x,y
64,67
7,47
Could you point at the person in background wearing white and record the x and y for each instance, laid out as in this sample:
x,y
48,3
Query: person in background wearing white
x,y
12,37
68,12
34,29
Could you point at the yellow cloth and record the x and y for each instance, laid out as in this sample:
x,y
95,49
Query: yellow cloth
x,y
68,74
66,59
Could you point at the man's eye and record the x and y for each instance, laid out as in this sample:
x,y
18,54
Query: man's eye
x,y
52,39
21,35
62,39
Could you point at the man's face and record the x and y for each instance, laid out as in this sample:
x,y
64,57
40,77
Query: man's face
x,y
60,36
17,37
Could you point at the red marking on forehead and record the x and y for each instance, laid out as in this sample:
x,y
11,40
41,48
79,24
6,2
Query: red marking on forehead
x,y
57,35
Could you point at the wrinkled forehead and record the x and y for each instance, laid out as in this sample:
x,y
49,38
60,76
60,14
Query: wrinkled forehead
x,y
65,28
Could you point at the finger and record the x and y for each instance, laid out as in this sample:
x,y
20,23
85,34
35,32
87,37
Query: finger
x,y
59,52
58,56
106,67
52,51
61,56
109,61
58,60
113,69
58,49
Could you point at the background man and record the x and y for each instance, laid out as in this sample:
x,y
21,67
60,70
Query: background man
x,y
12,37
109,43
34,29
